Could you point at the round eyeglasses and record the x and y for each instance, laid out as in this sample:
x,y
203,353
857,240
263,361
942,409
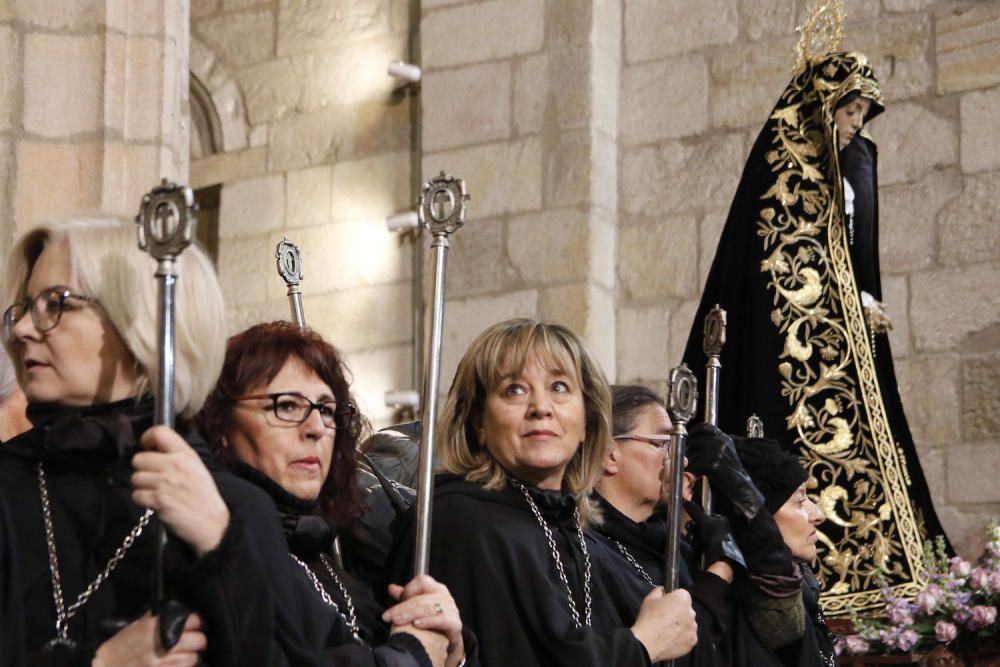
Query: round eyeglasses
x,y
658,441
296,408
46,310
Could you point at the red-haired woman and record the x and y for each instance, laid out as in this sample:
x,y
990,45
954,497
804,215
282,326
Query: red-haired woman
x,y
283,418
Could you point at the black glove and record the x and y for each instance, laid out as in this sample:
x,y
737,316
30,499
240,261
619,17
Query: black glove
x,y
173,615
711,453
711,536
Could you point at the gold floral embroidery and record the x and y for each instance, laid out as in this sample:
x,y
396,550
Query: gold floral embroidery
x,y
835,406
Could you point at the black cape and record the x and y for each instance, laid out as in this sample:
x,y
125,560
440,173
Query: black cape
x,y
326,637
646,543
799,352
490,551
86,454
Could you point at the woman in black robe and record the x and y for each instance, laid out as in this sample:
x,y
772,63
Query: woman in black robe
x,y
282,417
81,332
634,526
523,434
797,273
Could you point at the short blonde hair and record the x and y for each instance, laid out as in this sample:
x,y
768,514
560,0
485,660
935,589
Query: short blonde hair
x,y
107,264
503,349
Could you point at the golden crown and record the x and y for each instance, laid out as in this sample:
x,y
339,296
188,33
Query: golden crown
x,y
822,32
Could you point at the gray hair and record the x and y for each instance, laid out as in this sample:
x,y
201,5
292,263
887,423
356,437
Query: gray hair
x,y
106,263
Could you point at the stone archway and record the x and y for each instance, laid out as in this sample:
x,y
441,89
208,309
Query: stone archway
x,y
218,114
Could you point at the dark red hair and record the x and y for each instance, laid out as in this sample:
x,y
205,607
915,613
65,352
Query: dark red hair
x,y
253,358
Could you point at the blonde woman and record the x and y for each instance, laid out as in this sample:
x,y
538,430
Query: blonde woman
x,y
523,436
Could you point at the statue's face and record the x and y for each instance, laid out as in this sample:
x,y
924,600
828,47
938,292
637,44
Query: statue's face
x,y
850,118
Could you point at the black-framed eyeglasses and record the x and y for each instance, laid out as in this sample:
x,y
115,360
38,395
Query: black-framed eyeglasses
x,y
658,441
46,310
296,408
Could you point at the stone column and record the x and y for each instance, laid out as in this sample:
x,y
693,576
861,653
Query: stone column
x,y
520,99
91,100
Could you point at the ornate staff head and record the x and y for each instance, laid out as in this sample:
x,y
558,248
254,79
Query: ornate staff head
x,y
289,262
715,332
166,221
682,395
442,205
290,269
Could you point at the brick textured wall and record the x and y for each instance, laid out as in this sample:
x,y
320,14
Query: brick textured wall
x,y
317,148
91,106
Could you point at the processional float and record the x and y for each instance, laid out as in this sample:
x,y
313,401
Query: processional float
x,y
166,224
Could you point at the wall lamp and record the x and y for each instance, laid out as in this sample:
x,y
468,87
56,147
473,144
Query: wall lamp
x,y
401,222
400,398
406,72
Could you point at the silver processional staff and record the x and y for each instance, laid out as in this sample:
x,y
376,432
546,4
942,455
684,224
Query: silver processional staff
x,y
441,211
166,226
682,400
290,269
714,338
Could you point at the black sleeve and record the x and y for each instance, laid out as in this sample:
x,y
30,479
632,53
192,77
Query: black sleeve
x,y
11,615
710,596
516,614
226,587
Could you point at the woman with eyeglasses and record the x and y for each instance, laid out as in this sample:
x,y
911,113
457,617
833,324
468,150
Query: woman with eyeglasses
x,y
282,417
634,527
88,476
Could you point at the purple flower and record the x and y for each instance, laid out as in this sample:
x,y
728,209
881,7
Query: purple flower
x,y
995,582
907,640
960,567
945,631
979,579
857,646
982,616
929,599
900,613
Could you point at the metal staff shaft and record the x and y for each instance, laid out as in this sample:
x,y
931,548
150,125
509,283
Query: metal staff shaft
x,y
166,226
682,398
712,342
442,211
289,260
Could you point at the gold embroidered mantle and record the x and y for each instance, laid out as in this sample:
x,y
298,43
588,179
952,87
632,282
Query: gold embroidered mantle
x,y
827,366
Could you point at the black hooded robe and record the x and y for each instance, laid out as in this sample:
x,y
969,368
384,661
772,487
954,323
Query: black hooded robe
x,y
490,551
799,352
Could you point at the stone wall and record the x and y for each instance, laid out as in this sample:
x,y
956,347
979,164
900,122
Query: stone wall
x,y
519,99
698,80
91,105
316,147
602,141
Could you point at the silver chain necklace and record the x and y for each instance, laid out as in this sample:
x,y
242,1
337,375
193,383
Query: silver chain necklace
x,y
351,617
64,613
560,570
631,559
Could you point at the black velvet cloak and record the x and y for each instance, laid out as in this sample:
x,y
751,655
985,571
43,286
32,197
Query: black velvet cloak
x,y
799,352
326,637
646,543
491,552
86,454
